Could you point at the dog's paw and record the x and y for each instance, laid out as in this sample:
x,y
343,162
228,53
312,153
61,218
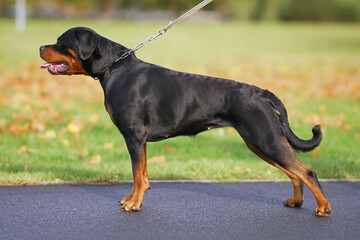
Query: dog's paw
x,y
322,211
132,205
291,202
125,199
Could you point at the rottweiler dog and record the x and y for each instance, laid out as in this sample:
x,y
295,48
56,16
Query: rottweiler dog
x,y
149,103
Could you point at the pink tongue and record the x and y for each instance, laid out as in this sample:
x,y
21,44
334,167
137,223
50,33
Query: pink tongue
x,y
45,65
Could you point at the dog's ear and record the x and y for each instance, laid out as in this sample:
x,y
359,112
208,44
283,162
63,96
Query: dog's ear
x,y
87,42
105,54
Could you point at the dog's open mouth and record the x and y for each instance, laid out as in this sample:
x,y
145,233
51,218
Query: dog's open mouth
x,y
57,67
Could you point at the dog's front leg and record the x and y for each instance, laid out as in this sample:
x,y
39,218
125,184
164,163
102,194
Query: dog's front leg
x,y
137,150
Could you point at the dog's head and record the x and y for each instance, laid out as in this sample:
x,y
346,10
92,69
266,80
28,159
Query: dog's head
x,y
80,51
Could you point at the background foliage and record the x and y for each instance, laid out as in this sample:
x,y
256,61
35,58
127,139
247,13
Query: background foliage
x,y
303,10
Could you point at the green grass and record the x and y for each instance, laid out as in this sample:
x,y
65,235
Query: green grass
x,y
286,58
185,45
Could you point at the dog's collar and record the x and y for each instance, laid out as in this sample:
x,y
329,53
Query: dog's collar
x,y
106,70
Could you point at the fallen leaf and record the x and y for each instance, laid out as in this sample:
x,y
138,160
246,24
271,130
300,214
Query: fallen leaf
x,y
322,108
109,146
314,119
26,167
3,123
315,153
57,180
26,149
37,126
17,129
76,125
83,153
73,128
96,159
65,142
157,159
2,99
338,120
230,130
78,141
65,106
26,108
167,149
50,134
14,128
221,132
239,169
124,147
62,131
94,119
22,149
345,127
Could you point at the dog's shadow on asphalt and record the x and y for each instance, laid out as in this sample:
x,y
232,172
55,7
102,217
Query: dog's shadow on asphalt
x,y
183,193
207,196
222,192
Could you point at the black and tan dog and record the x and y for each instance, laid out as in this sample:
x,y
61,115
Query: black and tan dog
x,y
150,103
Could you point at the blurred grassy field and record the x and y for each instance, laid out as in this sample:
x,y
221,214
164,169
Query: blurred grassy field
x,y
55,128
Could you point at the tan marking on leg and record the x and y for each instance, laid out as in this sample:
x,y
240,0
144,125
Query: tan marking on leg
x,y
141,184
302,171
298,174
298,198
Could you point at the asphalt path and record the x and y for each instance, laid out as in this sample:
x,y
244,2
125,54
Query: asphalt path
x,y
176,211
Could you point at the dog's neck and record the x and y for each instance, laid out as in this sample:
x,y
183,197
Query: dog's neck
x,y
101,60
116,66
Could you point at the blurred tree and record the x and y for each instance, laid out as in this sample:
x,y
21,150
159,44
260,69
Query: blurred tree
x,y
259,10
4,5
3,8
310,10
320,10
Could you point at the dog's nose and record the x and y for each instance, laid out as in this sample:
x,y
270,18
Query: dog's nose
x,y
42,48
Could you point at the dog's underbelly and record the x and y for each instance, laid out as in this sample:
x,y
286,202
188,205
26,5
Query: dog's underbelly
x,y
185,129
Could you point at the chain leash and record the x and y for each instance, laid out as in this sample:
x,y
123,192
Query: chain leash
x,y
163,30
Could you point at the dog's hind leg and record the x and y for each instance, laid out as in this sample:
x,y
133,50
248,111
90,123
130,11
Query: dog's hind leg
x,y
298,198
309,177
283,157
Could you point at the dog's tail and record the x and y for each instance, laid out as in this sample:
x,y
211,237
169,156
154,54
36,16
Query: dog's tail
x,y
304,145
295,142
